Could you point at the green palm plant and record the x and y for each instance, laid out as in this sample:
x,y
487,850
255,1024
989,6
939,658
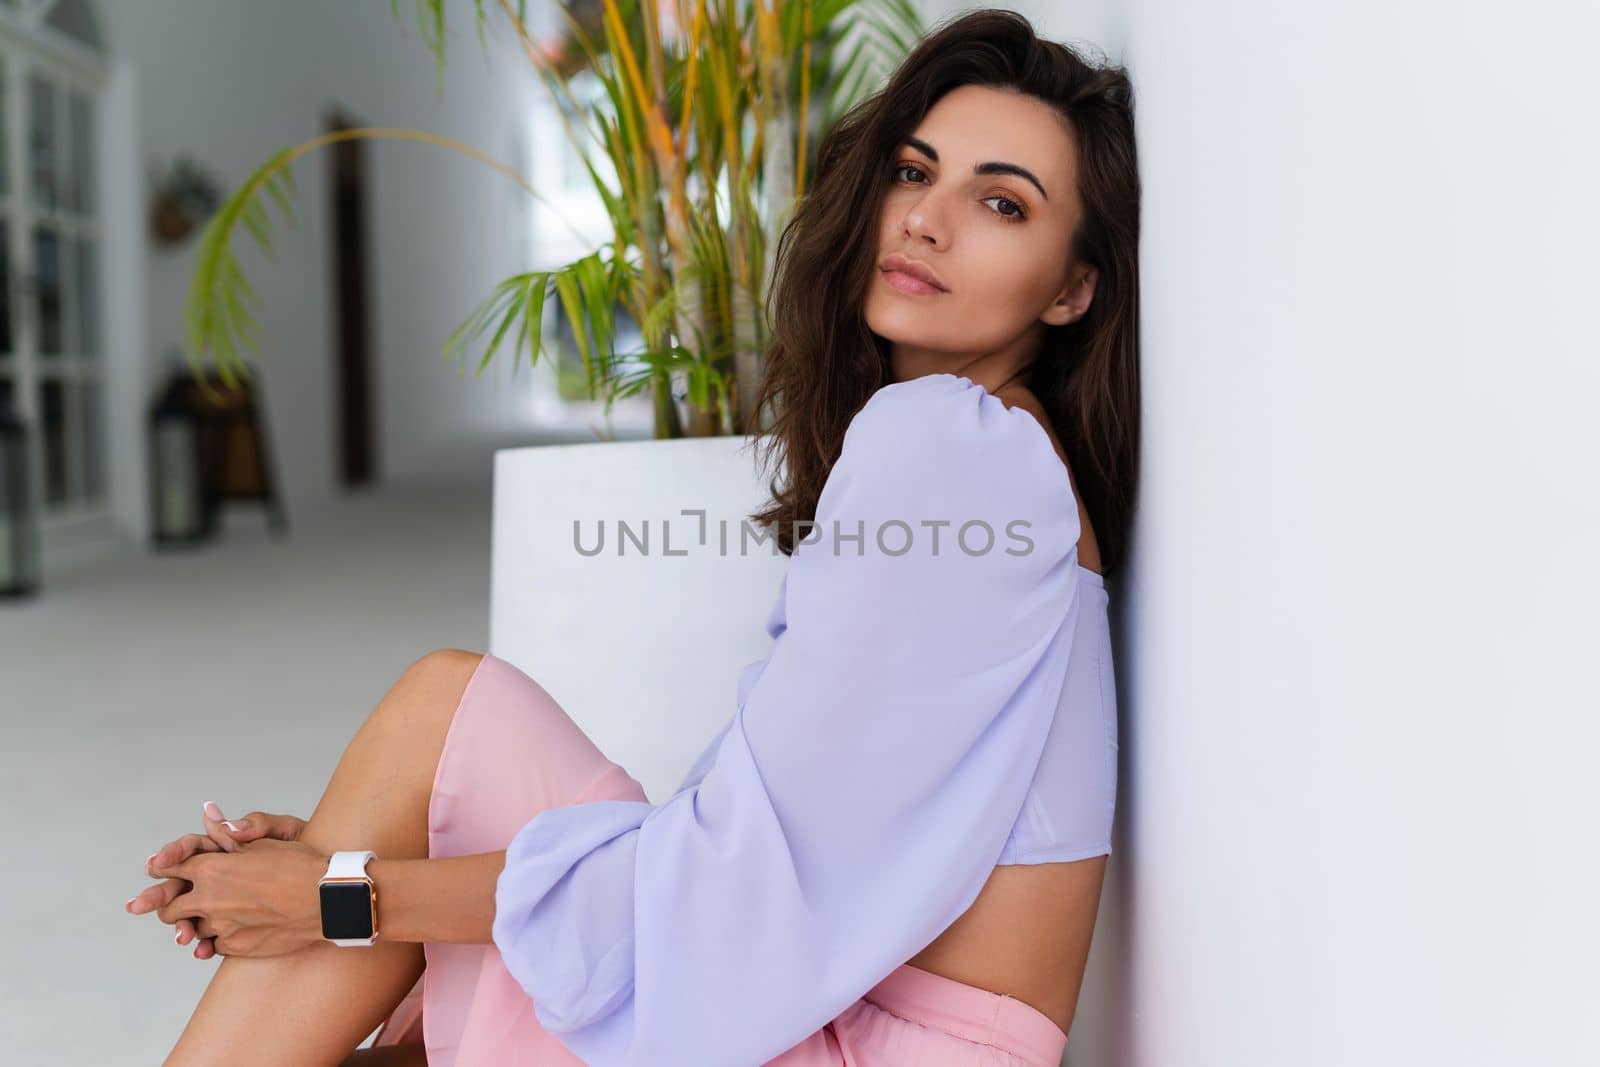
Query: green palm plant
x,y
709,130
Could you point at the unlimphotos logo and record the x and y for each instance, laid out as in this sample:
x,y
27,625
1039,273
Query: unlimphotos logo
x,y
892,538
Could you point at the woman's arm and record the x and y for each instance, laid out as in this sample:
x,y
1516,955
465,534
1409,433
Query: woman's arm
x,y
450,900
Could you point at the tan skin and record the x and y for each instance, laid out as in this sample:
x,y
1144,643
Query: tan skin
x,y
1028,932
1000,246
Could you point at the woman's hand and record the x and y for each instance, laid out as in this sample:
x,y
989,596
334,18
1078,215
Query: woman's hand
x,y
220,836
259,900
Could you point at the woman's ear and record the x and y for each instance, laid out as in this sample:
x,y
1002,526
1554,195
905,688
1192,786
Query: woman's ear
x,y
1073,300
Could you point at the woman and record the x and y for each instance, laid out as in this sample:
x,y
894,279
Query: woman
x,y
893,853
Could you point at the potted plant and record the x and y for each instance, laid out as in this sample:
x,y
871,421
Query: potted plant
x,y
708,121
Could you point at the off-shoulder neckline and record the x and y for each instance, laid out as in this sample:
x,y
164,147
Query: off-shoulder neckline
x,y
1040,434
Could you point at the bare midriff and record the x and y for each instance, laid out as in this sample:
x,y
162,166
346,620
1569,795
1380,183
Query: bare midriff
x,y
1026,935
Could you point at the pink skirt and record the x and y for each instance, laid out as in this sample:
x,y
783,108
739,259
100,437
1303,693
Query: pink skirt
x,y
511,752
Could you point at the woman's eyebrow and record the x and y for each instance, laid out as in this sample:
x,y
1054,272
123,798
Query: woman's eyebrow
x,y
990,167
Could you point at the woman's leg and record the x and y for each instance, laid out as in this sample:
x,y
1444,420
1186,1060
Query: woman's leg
x,y
314,1006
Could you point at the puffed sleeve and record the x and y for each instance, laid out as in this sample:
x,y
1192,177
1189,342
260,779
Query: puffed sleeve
x,y
859,798
776,624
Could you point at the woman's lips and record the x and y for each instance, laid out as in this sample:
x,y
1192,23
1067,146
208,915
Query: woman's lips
x,y
905,283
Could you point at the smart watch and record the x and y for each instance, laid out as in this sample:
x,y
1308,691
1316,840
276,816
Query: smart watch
x,y
349,900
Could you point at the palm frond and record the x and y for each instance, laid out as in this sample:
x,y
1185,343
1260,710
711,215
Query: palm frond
x,y
431,24
697,148
217,316
883,31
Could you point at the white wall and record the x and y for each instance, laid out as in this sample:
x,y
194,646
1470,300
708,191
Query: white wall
x,y
1356,638
231,81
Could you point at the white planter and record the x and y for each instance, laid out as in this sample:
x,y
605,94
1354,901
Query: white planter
x,y
642,649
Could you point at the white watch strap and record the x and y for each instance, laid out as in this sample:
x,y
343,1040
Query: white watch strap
x,y
348,864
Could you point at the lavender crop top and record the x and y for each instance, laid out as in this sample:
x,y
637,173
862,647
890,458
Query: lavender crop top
x,y
938,699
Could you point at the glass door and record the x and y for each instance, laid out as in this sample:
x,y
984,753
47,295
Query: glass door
x,y
52,364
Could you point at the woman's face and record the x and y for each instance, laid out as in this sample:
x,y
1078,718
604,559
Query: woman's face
x,y
997,242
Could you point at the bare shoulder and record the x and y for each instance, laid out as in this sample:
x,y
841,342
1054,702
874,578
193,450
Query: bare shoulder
x,y
1017,395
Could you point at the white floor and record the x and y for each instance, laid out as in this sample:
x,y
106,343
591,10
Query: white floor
x,y
132,690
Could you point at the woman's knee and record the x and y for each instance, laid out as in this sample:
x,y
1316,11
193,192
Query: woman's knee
x,y
424,700
448,664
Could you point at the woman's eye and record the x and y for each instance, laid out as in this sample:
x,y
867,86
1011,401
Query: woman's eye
x,y
1014,214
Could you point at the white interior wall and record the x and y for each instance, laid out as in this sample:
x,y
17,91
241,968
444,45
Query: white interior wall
x,y
231,81
1363,587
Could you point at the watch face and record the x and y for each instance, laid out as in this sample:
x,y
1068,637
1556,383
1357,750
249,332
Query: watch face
x,y
346,910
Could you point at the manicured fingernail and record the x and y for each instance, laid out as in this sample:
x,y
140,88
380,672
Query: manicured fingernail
x,y
236,826
129,905
211,810
178,937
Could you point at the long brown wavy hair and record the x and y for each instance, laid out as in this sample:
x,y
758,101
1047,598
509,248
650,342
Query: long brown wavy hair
x,y
824,362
